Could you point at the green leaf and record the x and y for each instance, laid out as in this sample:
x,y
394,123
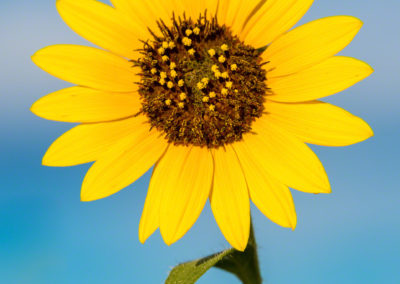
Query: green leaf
x,y
190,272
242,264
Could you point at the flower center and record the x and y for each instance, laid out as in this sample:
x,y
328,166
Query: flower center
x,y
200,84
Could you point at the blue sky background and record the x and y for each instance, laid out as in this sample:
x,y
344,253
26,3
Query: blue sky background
x,y
48,236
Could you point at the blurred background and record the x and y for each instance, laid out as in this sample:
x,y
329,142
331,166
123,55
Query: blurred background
x,y
48,236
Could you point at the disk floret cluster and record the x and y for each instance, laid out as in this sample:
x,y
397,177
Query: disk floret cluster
x,y
200,84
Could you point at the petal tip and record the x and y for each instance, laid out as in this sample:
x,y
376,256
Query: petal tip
x,y
88,197
240,246
142,237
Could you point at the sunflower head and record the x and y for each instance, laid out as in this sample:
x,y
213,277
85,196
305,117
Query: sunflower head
x,y
191,74
186,91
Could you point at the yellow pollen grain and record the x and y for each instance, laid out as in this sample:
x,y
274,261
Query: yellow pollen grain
x,y
171,45
181,105
191,51
234,67
162,82
211,107
205,81
163,75
225,75
188,32
165,44
196,31
161,50
172,65
181,83
217,74
212,94
200,85
224,91
214,68
170,85
182,96
211,52
222,59
173,74
153,71
224,47
165,58
168,102
236,91
229,85
206,99
187,41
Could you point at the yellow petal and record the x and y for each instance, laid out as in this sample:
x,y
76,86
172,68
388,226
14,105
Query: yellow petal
x,y
230,198
235,13
285,157
310,44
102,25
319,123
87,66
150,220
80,104
88,142
123,163
184,174
273,19
147,13
270,196
195,8
324,79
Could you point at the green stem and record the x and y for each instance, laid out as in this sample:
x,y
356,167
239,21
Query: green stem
x,y
245,264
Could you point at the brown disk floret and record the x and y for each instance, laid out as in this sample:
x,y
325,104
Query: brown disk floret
x,y
200,84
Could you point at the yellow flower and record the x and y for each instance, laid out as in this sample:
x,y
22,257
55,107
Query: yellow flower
x,y
257,156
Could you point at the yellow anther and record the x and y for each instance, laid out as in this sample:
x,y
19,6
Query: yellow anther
x,y
165,58
172,65
187,41
217,74
168,102
173,74
225,75
236,91
181,105
222,59
161,50
165,44
163,75
170,85
162,82
224,91
211,52
224,47
234,67
153,71
214,68
229,85
211,107
212,94
200,85
181,83
191,51
182,96
171,45
206,99
196,31
205,81
188,32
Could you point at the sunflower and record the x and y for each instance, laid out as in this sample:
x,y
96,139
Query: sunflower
x,y
219,96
